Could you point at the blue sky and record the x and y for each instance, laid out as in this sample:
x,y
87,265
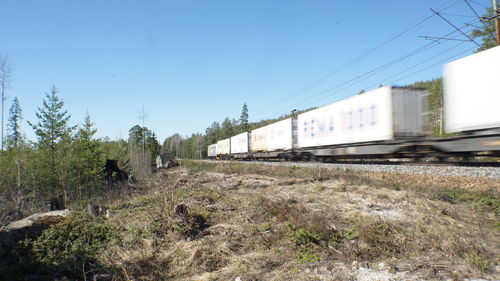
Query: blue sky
x,y
188,63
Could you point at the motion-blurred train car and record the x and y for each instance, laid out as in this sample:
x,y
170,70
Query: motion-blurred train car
x,y
272,141
240,146
212,151
388,122
383,121
472,105
224,149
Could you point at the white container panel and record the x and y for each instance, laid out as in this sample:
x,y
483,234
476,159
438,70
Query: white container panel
x,y
362,118
223,147
239,143
212,150
276,136
280,135
259,139
472,92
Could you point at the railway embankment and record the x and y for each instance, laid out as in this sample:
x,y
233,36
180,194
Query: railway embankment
x,y
449,169
239,221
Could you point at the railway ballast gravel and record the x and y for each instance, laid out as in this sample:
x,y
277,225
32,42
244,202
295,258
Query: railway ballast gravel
x,y
423,169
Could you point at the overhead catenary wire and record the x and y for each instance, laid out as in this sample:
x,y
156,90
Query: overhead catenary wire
x,y
356,60
480,4
435,64
353,81
381,82
478,16
347,84
454,26
456,15
326,93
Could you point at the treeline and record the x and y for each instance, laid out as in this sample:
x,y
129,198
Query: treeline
x,y
65,159
195,146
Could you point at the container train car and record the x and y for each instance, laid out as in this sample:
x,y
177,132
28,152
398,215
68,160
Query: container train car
x,y
472,106
387,122
273,140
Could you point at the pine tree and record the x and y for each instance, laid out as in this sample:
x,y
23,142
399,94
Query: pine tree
x,y
486,33
244,118
14,124
212,133
135,135
227,128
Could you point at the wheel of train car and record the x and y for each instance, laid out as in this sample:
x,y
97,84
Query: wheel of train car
x,y
323,159
308,157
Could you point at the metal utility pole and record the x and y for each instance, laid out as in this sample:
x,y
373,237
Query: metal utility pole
x,y
496,14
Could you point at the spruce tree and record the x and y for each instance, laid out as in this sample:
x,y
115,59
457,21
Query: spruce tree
x,y
88,157
244,118
227,128
51,129
14,124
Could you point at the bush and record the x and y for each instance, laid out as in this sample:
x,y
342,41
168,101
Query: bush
x,y
307,256
74,243
303,236
188,224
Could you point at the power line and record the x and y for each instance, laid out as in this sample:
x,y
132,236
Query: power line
x,y
432,65
450,23
482,5
415,65
473,11
479,17
349,83
456,15
324,94
356,60
427,67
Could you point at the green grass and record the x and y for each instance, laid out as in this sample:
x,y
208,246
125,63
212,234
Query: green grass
x,y
488,201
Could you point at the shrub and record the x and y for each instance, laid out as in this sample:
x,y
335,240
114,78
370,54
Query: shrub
x,y
307,256
188,224
74,242
303,236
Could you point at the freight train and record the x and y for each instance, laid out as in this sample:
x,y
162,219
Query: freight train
x,y
388,122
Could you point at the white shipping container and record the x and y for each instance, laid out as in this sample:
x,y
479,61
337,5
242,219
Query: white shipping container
x,y
276,136
239,143
212,150
259,139
381,114
223,147
472,92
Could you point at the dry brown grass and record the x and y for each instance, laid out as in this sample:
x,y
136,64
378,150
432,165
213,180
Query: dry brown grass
x,y
271,223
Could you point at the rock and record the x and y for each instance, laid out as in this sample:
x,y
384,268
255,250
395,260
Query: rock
x,y
29,227
113,173
166,161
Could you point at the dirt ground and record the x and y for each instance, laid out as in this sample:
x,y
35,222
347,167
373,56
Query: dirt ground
x,y
217,222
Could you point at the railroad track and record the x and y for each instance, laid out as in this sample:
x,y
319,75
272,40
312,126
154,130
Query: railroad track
x,y
460,169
